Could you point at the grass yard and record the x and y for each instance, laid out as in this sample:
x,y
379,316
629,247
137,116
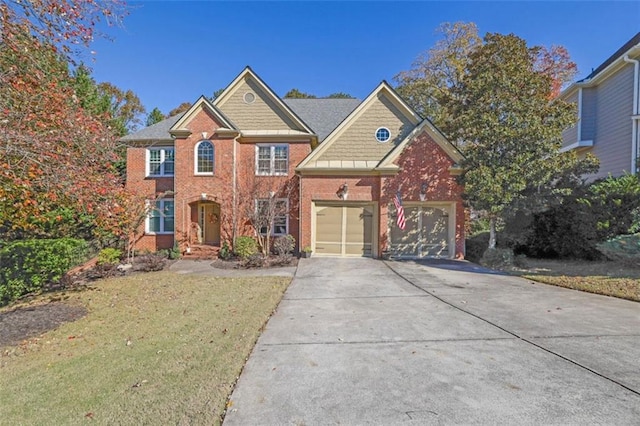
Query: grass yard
x,y
608,278
156,348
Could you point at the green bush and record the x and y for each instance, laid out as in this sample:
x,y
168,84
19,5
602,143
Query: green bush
x,y
225,252
284,245
575,226
476,246
174,253
245,247
27,266
109,256
498,258
624,249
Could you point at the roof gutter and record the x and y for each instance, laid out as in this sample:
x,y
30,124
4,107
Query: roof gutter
x,y
635,118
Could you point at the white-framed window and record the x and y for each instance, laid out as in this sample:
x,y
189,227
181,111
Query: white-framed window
x,y
160,219
160,161
205,158
272,160
383,134
276,210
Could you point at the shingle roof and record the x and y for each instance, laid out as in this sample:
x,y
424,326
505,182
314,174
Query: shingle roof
x,y
628,45
322,115
158,131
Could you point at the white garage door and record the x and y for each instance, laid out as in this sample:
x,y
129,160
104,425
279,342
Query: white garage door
x,y
344,230
426,233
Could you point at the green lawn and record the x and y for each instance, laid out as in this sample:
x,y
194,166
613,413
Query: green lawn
x,y
157,348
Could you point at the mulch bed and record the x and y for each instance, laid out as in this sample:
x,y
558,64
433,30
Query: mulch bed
x,y
270,262
25,322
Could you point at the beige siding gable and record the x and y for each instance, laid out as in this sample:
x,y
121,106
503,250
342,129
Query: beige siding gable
x,y
252,106
358,141
261,114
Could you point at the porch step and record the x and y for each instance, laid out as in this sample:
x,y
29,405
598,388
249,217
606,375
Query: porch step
x,y
201,252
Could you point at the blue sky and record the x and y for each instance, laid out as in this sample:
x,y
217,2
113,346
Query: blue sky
x,y
170,52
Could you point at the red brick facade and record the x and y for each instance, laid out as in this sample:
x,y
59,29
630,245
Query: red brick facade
x,y
422,161
213,208
191,191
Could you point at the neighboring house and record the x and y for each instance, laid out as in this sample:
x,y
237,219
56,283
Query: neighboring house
x,y
608,112
333,166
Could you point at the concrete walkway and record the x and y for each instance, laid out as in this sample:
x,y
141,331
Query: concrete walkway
x,y
360,341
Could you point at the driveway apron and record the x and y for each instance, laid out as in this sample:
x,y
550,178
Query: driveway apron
x,y
361,341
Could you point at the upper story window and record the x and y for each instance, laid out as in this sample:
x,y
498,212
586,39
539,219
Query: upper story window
x,y
160,161
383,134
160,219
272,160
205,158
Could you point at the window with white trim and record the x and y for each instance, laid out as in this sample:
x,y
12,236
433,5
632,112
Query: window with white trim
x,y
276,210
160,219
205,158
160,161
272,160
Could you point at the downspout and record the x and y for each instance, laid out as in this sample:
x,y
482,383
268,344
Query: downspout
x,y
635,119
579,133
234,230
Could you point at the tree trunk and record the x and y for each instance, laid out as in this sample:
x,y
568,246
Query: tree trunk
x,y
492,232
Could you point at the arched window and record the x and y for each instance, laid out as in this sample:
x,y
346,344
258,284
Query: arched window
x,y
205,158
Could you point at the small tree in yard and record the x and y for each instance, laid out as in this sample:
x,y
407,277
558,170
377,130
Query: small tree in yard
x,y
265,202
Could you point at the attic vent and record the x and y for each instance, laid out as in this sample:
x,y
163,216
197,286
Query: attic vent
x,y
249,98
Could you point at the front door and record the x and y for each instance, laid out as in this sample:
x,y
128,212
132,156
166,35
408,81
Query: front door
x,y
210,223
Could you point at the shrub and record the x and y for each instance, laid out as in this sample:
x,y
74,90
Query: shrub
x,y
109,256
174,253
476,246
245,247
624,249
284,245
256,260
225,253
149,263
29,265
498,258
574,226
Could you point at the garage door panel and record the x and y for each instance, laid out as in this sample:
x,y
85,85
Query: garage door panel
x,y
435,223
426,233
404,242
344,230
328,230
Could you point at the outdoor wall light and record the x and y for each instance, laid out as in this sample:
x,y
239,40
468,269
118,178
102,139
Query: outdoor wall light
x,y
203,196
423,191
343,191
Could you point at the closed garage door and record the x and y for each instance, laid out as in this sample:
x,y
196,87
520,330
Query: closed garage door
x,y
426,233
344,230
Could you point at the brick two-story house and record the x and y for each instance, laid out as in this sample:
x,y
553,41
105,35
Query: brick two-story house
x,y
332,166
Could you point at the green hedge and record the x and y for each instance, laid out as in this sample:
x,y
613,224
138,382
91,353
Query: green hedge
x,y
28,265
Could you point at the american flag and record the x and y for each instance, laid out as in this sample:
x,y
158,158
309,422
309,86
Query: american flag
x,y
400,219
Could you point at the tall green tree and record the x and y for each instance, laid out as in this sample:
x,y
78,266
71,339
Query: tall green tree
x,y
339,95
427,86
155,116
297,94
511,132
180,109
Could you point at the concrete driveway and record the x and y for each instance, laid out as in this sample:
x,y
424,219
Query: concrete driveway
x,y
361,341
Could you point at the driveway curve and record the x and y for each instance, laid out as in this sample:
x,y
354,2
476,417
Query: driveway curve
x,y
362,341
